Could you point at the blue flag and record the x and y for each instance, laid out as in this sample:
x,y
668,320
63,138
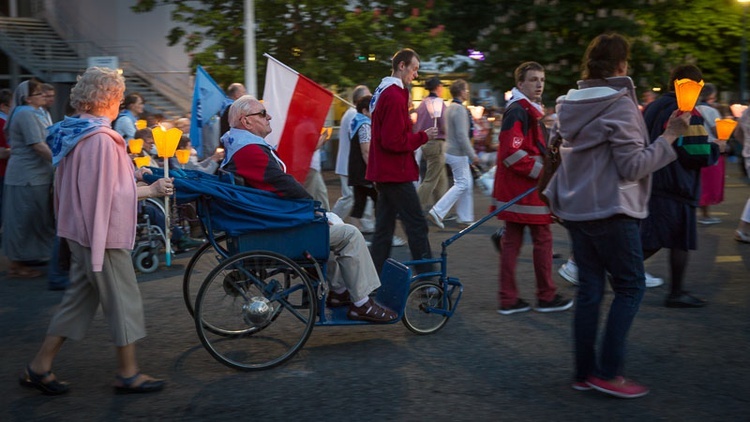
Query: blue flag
x,y
208,101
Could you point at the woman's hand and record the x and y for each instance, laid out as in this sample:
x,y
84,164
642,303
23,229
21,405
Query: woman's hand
x,y
139,173
162,187
677,125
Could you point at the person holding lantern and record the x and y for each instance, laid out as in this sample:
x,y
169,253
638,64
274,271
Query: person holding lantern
x,y
95,196
676,188
601,204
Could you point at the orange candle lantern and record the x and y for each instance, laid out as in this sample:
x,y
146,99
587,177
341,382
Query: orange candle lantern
x,y
687,91
183,155
140,124
135,146
142,161
166,141
724,128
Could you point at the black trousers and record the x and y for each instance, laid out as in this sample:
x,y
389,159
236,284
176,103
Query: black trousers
x,y
399,199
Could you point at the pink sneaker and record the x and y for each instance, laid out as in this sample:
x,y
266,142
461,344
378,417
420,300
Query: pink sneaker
x,y
581,386
619,387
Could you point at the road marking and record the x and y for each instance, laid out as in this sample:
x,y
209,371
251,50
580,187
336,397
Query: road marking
x,y
729,258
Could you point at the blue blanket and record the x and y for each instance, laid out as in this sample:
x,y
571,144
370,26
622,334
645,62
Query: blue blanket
x,y
237,209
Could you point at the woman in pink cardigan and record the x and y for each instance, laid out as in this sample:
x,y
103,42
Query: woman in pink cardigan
x,y
95,200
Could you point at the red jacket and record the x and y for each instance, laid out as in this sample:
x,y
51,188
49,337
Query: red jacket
x,y
393,144
519,164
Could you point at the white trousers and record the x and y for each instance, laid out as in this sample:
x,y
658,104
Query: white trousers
x,y
351,266
461,193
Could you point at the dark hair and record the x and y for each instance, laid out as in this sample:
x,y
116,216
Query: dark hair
x,y
6,96
686,71
363,103
458,86
432,84
524,68
143,133
131,99
708,90
184,141
604,55
404,55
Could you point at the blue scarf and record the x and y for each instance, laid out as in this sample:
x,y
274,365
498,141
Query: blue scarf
x,y
65,135
358,120
234,139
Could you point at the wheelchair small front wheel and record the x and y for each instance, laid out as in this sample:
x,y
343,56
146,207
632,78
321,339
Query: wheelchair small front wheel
x,y
205,259
425,297
253,310
146,261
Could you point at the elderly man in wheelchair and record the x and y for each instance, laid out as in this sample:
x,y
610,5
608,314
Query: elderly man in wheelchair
x,y
255,163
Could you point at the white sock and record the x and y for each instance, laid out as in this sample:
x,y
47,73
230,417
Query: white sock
x,y
361,302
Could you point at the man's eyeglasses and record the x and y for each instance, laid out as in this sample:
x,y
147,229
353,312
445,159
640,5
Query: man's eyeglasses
x,y
263,113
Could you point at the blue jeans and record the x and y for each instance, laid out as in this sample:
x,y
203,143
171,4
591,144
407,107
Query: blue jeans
x,y
611,246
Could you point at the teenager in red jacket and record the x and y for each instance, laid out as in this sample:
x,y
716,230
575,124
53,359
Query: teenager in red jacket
x,y
391,164
519,164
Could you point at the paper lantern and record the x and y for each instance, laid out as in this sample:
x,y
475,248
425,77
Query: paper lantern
x,y
166,141
140,124
687,91
737,110
476,112
135,146
183,155
142,161
327,131
724,128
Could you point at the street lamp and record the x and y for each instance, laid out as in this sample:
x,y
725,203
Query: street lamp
x,y
743,63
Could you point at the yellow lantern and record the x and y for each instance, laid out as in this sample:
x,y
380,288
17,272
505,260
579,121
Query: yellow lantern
x,y
140,124
135,146
166,141
142,161
183,155
724,128
687,91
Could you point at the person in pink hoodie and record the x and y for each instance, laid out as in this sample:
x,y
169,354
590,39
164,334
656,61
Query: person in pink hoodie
x,y
95,199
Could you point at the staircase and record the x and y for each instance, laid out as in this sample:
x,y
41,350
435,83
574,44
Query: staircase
x,y
35,46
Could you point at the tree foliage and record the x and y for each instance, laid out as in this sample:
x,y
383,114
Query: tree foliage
x,y
333,43
346,43
664,34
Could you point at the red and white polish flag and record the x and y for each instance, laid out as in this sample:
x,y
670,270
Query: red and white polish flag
x,y
298,108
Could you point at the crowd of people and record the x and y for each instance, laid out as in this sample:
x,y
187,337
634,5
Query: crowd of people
x,y
647,170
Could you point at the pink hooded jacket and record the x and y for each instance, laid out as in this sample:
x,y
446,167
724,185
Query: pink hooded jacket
x,y
96,196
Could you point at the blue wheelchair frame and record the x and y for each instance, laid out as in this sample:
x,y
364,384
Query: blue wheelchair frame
x,y
307,246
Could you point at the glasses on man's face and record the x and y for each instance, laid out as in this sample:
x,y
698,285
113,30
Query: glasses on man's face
x,y
36,94
263,113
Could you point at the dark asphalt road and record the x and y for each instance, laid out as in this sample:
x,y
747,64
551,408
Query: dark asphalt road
x,y
481,366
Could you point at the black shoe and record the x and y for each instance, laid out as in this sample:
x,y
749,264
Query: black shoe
x,y
557,304
684,300
520,306
496,238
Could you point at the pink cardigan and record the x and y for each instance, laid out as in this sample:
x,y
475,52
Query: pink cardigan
x,y
95,195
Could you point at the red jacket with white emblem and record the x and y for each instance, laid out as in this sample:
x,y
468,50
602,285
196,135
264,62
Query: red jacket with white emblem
x,y
519,164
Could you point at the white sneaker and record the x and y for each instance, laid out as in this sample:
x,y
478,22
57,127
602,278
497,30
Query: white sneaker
x,y
652,281
435,219
741,236
569,271
397,241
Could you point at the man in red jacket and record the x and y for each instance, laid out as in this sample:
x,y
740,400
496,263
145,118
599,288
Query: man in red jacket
x,y
391,164
519,164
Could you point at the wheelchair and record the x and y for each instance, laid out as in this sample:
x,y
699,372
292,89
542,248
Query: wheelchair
x,y
258,287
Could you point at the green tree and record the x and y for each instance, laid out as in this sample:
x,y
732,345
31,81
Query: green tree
x,y
333,43
706,33
664,33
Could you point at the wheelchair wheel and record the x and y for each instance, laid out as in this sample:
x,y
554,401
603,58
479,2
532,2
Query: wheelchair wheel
x,y
422,297
252,311
205,259
146,261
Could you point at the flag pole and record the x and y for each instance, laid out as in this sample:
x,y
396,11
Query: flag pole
x,y
292,70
